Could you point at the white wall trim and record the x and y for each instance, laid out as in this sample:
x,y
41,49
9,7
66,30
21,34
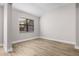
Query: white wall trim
x,y
63,41
20,41
24,40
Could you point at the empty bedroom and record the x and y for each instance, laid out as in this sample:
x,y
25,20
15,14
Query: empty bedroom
x,y
39,29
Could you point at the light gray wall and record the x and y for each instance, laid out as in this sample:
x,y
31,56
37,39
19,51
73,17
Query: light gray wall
x,y
15,22
60,24
1,24
77,24
57,24
15,25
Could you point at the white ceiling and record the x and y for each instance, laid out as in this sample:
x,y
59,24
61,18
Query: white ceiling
x,y
38,9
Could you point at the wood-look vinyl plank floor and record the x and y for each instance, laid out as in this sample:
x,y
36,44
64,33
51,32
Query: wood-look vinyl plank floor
x,y
42,47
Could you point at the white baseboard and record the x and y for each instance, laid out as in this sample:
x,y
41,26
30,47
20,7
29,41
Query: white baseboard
x,y
21,41
24,40
63,41
10,49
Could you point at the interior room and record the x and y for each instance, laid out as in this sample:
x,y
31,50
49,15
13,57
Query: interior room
x,y
39,29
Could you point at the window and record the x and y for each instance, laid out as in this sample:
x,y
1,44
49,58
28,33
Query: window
x,y
26,25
